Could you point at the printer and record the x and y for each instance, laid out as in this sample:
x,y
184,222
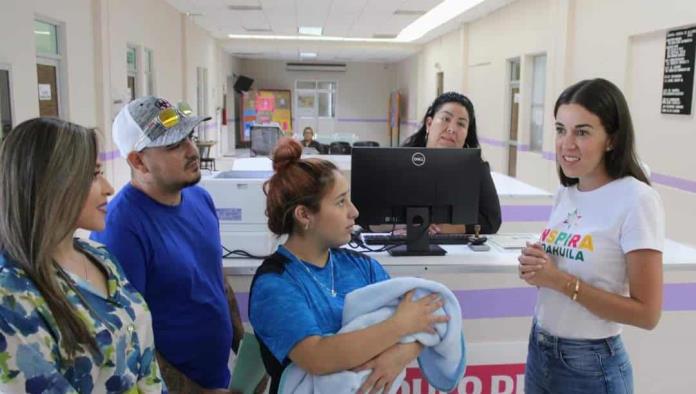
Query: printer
x,y
241,205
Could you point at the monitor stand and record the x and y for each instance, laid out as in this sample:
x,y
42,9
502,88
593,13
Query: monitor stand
x,y
417,240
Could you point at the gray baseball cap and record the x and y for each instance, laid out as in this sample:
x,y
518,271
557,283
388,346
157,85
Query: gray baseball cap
x,y
139,125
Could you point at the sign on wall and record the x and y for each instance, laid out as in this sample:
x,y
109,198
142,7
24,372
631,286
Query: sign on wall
x,y
678,78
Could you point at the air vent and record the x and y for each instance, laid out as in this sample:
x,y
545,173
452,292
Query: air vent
x,y
384,36
245,7
409,12
257,29
330,67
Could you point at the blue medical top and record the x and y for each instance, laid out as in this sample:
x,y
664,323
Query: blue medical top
x,y
286,307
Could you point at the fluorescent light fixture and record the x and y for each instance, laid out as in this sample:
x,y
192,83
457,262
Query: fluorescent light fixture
x,y
306,38
309,30
308,55
439,15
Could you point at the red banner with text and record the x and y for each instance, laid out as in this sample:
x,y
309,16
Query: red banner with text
x,y
479,379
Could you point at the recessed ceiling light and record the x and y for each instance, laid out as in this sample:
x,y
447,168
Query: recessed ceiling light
x,y
308,55
194,14
310,31
245,7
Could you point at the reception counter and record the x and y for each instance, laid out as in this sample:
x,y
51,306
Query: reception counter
x,y
497,308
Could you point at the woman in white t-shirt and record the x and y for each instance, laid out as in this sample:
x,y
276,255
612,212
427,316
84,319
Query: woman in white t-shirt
x,y
599,262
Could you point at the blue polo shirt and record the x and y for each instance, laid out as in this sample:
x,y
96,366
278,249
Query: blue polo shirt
x,y
173,256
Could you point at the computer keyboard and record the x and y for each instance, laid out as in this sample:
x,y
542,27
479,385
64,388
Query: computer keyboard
x,y
435,239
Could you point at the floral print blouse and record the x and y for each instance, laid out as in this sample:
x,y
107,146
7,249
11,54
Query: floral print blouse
x,y
31,359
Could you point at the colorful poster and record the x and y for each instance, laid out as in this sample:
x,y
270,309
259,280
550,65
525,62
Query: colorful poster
x,y
266,106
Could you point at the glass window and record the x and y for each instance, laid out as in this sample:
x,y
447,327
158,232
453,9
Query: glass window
x,y
326,105
536,140
5,104
46,37
149,73
306,85
315,99
130,59
326,85
515,70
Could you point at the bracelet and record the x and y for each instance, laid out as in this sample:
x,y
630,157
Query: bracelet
x,y
576,290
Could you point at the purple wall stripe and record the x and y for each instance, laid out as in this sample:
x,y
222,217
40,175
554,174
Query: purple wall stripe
x,y
362,120
497,303
686,185
519,301
679,297
525,213
494,142
549,155
107,156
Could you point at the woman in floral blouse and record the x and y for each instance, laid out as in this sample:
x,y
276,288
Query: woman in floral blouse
x,y
70,322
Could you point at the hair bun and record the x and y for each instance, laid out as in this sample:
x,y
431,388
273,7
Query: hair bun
x,y
287,152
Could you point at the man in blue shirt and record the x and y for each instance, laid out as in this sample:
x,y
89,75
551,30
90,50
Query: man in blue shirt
x,y
164,232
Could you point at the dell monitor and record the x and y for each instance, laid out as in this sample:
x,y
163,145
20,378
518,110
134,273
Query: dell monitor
x,y
416,187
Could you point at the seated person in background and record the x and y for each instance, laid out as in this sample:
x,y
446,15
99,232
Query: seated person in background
x,y
70,321
297,295
308,139
450,122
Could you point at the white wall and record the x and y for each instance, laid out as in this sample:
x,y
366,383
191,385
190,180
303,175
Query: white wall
x,y
582,39
416,77
633,58
18,49
362,95
96,36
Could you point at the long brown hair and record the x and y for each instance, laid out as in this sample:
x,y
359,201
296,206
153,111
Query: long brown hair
x,y
296,182
47,171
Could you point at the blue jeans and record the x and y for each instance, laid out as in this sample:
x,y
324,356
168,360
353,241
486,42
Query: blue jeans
x,y
569,366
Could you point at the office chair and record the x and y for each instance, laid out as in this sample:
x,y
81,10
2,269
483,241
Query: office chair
x,y
340,148
365,143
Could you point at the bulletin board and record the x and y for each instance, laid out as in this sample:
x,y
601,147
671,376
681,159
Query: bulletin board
x,y
266,106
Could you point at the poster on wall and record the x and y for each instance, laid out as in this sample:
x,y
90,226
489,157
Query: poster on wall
x,y
678,78
266,107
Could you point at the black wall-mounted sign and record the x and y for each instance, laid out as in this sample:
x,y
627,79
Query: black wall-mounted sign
x,y
678,79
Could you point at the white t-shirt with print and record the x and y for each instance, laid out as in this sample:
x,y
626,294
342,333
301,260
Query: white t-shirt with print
x,y
588,235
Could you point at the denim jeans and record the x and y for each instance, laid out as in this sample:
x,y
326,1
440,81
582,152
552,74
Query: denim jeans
x,y
569,366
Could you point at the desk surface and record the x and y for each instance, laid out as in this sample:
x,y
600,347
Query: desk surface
x,y
505,185
460,258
